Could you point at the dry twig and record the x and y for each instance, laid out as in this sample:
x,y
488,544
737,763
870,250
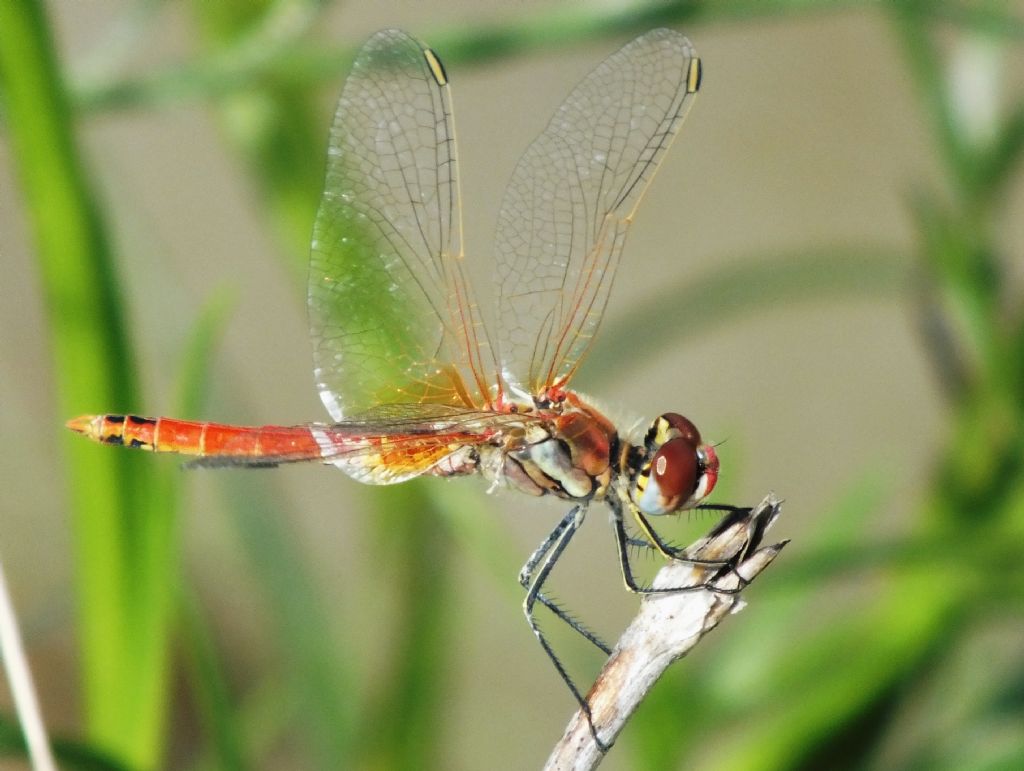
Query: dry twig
x,y
667,627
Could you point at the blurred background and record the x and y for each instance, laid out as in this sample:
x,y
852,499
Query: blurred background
x,y
827,274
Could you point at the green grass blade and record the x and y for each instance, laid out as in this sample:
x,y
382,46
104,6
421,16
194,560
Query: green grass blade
x,y
845,675
208,680
320,676
210,689
1002,159
927,69
402,728
122,538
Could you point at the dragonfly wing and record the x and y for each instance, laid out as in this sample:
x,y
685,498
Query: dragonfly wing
x,y
391,315
394,443
572,199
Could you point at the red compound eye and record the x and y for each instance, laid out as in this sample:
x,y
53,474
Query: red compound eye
x,y
684,426
675,468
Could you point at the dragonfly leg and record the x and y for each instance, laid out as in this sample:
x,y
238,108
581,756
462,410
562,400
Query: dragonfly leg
x,y
526,575
659,544
655,540
622,542
724,507
526,572
533,575
641,543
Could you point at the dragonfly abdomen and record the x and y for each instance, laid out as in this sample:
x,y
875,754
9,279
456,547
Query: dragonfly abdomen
x,y
200,439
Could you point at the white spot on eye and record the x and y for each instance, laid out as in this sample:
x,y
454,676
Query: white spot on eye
x,y
659,468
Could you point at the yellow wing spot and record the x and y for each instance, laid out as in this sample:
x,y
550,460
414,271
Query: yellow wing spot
x,y
436,68
693,76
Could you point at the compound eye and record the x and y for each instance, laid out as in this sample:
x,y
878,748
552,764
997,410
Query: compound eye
x,y
684,426
671,479
674,468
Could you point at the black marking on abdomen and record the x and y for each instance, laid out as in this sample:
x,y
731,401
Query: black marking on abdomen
x,y
114,439
135,420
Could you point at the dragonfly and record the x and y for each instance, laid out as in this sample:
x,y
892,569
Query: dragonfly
x,y
416,384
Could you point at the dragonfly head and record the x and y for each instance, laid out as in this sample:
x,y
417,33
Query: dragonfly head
x,y
677,471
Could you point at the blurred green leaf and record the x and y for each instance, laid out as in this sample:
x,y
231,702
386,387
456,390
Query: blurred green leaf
x,y
844,673
321,671
402,727
928,71
214,705
1002,159
208,680
123,536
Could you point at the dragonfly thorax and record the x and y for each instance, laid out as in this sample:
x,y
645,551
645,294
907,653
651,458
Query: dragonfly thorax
x,y
575,452
568,449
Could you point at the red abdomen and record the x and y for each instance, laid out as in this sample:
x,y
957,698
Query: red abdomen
x,y
201,439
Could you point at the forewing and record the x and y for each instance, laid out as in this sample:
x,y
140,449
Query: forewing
x,y
391,315
572,198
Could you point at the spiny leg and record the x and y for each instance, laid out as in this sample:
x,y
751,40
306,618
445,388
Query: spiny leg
x,y
659,544
724,507
656,542
543,561
640,543
526,574
622,542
